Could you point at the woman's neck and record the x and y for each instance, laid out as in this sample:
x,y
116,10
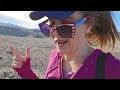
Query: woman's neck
x,y
71,61
79,55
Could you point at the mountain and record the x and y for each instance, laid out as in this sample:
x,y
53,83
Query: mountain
x,y
12,25
20,32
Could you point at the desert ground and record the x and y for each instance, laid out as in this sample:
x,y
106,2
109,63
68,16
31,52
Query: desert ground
x,y
40,50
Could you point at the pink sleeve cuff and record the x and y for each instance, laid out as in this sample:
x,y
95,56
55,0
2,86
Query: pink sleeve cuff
x,y
25,72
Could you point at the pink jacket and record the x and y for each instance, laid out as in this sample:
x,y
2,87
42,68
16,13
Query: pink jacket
x,y
86,71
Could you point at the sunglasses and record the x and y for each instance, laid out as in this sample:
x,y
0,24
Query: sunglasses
x,y
64,30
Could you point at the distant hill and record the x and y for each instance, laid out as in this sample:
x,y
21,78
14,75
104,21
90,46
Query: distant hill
x,y
20,32
11,25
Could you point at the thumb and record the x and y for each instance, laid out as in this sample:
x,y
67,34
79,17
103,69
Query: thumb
x,y
28,53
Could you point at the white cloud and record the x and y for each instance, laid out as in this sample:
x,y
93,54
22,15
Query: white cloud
x,y
20,18
21,15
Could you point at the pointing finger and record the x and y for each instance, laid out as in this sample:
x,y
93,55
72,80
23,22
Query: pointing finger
x,y
14,51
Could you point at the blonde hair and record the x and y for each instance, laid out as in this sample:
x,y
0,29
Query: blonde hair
x,y
103,32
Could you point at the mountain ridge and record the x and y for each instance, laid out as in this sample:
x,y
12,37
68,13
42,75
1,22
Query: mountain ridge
x,y
12,25
20,32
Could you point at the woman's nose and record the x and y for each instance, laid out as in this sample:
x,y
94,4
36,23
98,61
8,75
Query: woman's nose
x,y
55,34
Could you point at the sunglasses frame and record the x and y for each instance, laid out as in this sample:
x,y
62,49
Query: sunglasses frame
x,y
72,28
74,25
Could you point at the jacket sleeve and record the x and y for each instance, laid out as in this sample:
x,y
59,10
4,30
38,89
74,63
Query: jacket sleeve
x,y
26,72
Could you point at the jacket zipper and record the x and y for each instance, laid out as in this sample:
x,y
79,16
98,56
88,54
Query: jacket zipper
x,y
62,68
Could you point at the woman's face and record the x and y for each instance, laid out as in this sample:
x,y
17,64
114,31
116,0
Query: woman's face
x,y
69,45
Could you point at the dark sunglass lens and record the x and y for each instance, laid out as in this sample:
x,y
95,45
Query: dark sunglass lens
x,y
65,31
45,29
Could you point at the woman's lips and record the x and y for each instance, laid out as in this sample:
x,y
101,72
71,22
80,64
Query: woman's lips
x,y
61,43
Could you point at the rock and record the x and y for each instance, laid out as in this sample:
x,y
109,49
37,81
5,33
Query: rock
x,y
0,57
9,52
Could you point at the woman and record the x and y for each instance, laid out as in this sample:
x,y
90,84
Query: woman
x,y
74,34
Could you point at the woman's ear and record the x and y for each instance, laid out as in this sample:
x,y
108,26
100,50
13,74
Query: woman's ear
x,y
89,24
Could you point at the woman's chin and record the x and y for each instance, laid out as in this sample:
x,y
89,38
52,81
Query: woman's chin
x,y
61,51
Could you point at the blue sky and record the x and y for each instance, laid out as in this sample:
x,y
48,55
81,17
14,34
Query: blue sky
x,y
21,18
116,19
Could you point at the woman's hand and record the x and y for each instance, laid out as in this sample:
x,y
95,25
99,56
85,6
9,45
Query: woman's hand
x,y
18,59
22,64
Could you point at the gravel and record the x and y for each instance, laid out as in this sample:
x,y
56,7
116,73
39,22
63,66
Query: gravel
x,y
40,50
